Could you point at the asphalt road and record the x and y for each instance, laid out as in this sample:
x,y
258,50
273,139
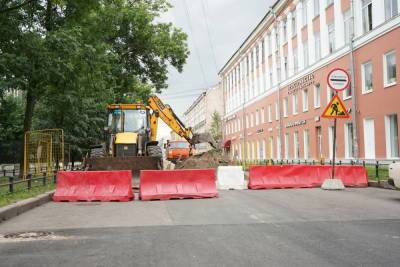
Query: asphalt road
x,y
305,227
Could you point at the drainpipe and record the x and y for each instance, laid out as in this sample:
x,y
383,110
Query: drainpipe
x,y
278,66
353,92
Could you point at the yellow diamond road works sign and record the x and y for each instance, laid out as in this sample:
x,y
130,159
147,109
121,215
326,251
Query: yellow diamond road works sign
x,y
336,109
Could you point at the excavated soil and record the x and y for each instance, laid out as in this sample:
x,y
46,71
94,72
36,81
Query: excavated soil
x,y
209,159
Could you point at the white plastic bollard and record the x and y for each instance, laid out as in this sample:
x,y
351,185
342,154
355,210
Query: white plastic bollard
x,y
230,177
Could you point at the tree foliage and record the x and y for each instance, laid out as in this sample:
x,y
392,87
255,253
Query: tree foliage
x,y
216,127
71,57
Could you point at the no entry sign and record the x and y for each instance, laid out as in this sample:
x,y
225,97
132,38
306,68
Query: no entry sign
x,y
338,79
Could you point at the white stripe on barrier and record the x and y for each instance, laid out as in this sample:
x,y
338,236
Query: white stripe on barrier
x,y
231,177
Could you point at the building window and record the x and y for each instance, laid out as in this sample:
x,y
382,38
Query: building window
x,y
251,119
285,65
276,111
305,53
271,82
305,100
295,61
247,121
330,141
284,26
366,72
349,135
294,30
257,117
285,107
257,55
304,12
271,147
391,9
347,26
317,41
389,68
286,146
262,115
331,37
392,136
295,104
277,40
296,145
278,147
269,44
367,15
269,113
330,94
306,144
263,51
317,96
328,2
347,93
316,8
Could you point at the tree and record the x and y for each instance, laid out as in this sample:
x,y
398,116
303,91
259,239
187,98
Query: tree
x,y
71,57
216,127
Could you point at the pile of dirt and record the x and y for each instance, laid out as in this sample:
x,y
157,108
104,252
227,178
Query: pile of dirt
x,y
209,159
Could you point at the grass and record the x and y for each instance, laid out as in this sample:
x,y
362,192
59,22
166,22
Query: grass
x,y
383,173
21,192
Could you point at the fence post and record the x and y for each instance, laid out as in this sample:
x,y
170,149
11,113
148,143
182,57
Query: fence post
x,y
11,184
55,177
364,163
4,172
44,178
29,178
377,171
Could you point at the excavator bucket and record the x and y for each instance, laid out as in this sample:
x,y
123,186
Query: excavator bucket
x,y
124,163
204,138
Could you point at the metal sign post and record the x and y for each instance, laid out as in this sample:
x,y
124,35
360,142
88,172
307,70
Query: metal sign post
x,y
334,148
338,80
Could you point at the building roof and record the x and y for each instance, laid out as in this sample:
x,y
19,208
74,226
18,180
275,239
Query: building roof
x,y
199,98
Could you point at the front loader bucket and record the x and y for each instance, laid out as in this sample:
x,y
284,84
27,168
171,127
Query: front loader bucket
x,y
204,138
124,163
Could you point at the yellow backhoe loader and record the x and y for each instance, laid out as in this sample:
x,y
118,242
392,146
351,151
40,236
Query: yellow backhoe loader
x,y
131,137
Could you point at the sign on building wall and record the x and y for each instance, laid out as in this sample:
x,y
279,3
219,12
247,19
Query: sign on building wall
x,y
301,84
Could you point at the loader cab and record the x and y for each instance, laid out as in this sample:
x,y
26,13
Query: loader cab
x,y
127,130
125,120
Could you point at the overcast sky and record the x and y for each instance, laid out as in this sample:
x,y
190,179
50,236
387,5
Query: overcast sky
x,y
229,23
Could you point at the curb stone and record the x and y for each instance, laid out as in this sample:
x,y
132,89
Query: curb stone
x,y
25,205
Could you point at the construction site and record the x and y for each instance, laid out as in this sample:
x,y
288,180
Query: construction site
x,y
199,133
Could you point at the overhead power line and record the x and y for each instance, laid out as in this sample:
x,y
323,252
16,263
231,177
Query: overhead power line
x,y
194,41
209,35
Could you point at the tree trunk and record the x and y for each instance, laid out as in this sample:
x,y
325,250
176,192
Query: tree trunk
x,y
29,108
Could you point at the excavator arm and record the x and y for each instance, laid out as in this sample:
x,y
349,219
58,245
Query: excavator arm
x,y
166,113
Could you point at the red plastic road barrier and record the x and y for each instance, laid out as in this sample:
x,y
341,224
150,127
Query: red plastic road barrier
x,y
177,184
304,176
94,186
352,176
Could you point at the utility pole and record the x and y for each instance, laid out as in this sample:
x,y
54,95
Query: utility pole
x,y
278,66
352,86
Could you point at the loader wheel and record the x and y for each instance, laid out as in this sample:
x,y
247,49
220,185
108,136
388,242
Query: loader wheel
x,y
154,151
97,152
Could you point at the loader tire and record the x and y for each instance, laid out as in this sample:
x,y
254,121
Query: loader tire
x,y
97,152
154,151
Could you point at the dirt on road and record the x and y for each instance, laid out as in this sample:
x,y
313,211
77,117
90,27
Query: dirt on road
x,y
209,159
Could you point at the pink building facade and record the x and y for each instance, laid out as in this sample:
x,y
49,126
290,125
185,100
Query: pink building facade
x,y
275,85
